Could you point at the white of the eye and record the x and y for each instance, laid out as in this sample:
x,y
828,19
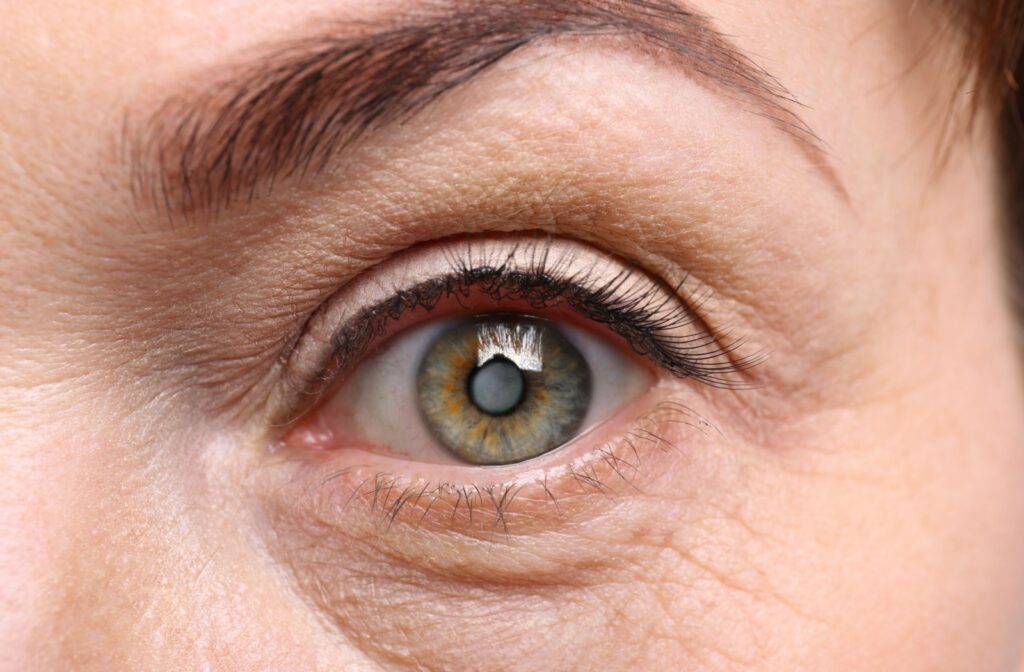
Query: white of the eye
x,y
615,378
380,399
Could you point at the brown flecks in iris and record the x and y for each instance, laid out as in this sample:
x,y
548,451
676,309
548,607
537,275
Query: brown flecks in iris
x,y
462,361
479,430
556,397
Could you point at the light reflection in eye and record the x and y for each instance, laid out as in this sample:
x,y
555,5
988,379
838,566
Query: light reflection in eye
x,y
489,390
520,343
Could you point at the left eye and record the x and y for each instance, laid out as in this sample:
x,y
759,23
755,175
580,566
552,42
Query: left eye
x,y
486,390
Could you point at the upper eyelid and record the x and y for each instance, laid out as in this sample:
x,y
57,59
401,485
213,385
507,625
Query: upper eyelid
x,y
645,306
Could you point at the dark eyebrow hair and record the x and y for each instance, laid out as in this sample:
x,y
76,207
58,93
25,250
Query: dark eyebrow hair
x,y
288,113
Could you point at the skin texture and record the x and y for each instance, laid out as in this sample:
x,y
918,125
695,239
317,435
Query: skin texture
x,y
859,508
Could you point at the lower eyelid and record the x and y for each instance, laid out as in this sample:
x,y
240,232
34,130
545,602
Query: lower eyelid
x,y
579,481
369,550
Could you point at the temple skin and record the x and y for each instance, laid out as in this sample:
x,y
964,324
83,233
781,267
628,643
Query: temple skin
x,y
856,507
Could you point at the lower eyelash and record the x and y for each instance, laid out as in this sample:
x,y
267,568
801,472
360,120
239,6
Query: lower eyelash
x,y
514,508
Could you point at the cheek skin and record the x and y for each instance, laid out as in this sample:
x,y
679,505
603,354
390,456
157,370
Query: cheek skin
x,y
142,572
597,580
902,492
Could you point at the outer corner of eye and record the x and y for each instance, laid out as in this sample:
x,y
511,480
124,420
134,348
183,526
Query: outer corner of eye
x,y
483,390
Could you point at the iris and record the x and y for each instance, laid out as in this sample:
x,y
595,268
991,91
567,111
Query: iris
x,y
503,390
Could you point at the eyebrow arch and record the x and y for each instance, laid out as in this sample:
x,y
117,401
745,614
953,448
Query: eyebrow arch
x,y
290,112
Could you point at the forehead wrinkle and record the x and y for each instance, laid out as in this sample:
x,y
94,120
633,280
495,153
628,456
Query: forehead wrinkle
x,y
290,112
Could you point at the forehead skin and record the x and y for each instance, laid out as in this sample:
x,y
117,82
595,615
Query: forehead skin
x,y
861,512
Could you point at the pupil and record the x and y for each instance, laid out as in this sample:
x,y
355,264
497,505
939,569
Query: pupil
x,y
497,387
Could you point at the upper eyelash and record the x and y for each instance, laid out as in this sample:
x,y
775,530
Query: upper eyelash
x,y
650,316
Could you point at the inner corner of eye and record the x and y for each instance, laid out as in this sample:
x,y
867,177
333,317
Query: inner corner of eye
x,y
488,390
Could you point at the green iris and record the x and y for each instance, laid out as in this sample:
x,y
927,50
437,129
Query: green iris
x,y
503,390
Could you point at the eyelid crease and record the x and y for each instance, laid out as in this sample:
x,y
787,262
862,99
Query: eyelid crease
x,y
659,322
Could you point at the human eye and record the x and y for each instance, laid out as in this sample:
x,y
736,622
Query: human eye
x,y
465,373
490,389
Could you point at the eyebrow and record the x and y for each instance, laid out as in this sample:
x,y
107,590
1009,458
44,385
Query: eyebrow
x,y
291,111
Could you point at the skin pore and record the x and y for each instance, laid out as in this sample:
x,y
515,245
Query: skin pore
x,y
855,505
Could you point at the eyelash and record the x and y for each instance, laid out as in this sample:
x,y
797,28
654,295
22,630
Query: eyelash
x,y
653,318
636,313
484,510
